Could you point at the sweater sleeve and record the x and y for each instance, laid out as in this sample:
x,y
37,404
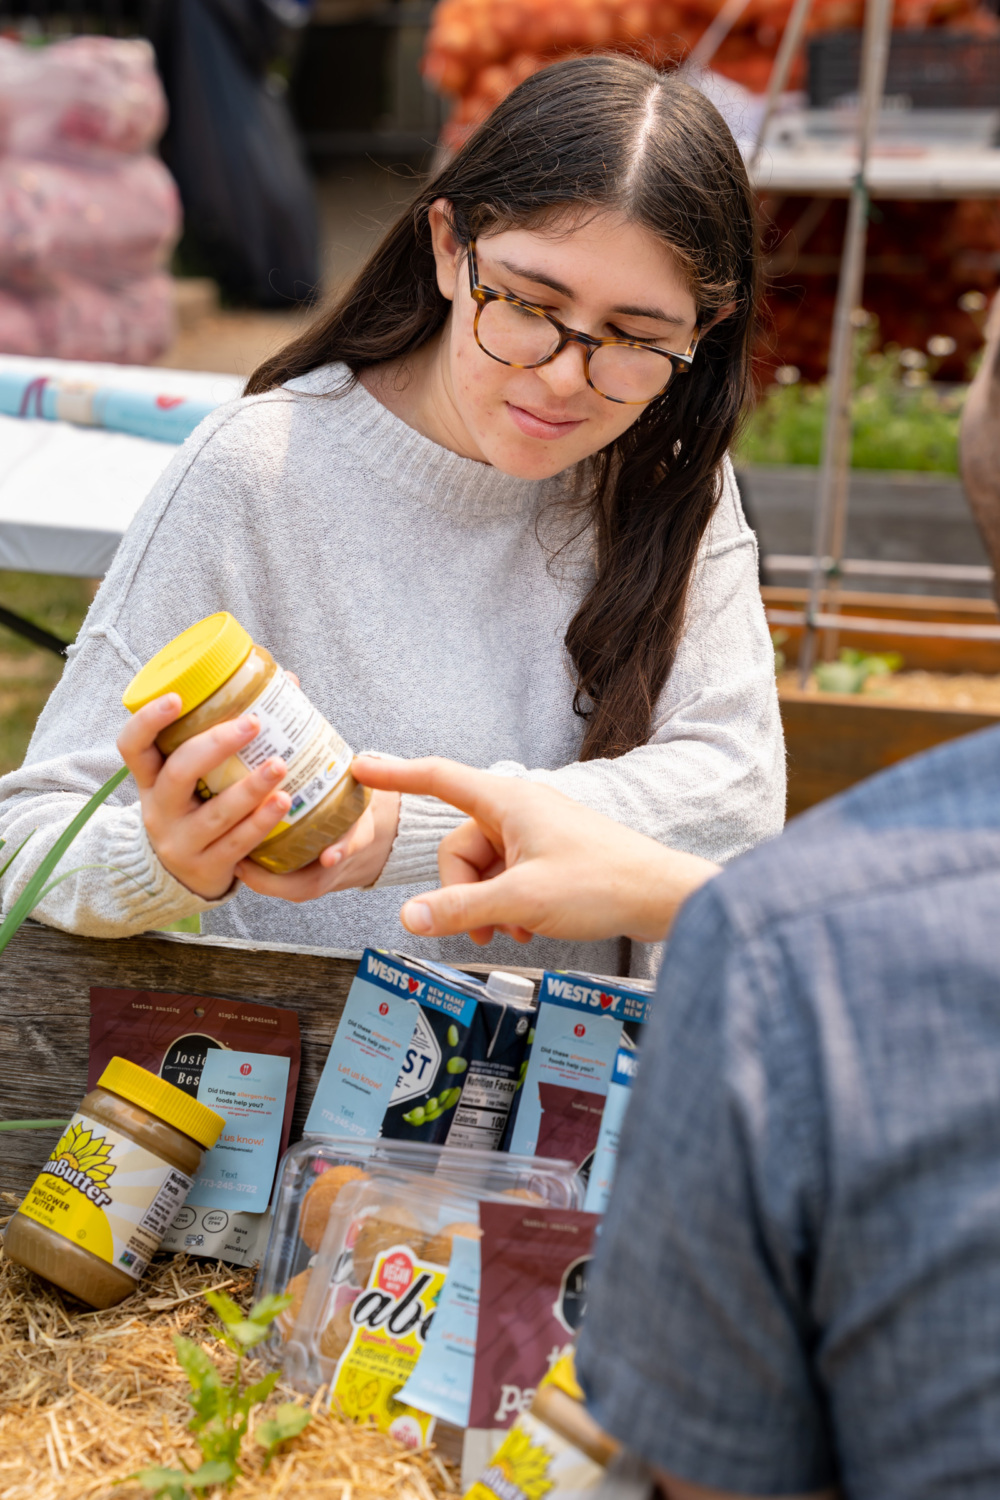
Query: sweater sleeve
x,y
711,778
118,886
162,578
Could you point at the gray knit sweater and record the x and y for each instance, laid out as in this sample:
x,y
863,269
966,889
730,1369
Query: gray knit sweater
x,y
410,591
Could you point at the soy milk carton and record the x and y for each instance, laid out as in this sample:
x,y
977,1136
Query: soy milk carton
x,y
423,1052
580,1026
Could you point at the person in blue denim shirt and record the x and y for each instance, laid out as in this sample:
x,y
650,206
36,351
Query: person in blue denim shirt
x,y
797,1290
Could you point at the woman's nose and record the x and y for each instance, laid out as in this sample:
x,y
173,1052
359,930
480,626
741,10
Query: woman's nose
x,y
567,373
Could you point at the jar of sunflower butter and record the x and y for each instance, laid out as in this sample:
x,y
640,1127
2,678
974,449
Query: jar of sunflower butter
x,y
220,674
106,1196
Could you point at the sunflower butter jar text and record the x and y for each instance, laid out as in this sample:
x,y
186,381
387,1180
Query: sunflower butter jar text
x,y
118,1176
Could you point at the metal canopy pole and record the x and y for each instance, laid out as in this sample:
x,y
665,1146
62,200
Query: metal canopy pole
x,y
831,498
791,37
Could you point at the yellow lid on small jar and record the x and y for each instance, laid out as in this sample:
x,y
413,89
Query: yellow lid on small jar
x,y
162,1099
194,664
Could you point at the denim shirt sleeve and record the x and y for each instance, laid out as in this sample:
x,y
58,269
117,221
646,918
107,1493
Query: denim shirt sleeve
x,y
696,1349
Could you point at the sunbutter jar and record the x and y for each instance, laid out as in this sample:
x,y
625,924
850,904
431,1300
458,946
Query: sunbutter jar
x,y
220,673
106,1196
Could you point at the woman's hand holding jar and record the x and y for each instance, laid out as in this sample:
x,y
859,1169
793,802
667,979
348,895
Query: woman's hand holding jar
x,y
206,844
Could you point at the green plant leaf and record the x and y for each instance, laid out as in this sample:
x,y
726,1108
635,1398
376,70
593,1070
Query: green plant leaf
x,y
32,893
7,863
207,1394
840,677
216,1471
219,1441
248,1335
255,1394
224,1305
173,1483
267,1309
288,1421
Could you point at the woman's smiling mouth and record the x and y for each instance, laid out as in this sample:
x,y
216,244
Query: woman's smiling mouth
x,y
536,426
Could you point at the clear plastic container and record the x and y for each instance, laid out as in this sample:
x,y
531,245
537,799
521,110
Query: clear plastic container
x,y
315,1172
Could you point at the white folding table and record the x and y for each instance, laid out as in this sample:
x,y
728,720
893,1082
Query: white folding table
x,y
68,493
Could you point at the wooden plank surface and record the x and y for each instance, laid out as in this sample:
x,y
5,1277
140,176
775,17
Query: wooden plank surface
x,y
838,739
919,654
45,980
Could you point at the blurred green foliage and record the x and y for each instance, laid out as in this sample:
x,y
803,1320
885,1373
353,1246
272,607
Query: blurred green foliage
x,y
901,419
852,669
28,674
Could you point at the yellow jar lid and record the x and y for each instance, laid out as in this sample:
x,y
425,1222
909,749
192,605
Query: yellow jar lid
x,y
163,1099
194,664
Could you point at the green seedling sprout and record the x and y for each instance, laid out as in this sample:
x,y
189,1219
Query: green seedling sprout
x,y
221,1408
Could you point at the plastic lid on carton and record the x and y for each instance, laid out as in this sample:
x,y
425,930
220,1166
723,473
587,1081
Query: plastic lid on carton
x,y
514,988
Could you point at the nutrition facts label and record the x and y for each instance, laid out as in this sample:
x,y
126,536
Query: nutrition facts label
x,y
154,1224
481,1113
160,1213
316,756
288,722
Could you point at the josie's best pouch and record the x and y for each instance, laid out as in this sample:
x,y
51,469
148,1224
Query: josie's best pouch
x,y
174,1036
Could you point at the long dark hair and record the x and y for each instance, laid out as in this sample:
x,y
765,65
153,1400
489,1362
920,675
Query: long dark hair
x,y
599,133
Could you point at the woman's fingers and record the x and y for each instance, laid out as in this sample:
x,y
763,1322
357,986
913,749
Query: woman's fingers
x,y
215,818
239,838
192,762
356,840
301,885
137,741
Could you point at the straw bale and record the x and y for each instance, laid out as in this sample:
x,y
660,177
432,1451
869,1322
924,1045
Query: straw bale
x,y
86,1398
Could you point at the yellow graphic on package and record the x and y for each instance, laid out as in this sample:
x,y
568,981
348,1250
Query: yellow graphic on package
x,y
106,1194
519,1470
389,1323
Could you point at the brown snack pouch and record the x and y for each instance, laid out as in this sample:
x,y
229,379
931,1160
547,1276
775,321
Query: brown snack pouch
x,y
170,1035
570,1125
532,1302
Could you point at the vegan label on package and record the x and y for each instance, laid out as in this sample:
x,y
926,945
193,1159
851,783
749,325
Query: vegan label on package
x,y
107,1195
390,1321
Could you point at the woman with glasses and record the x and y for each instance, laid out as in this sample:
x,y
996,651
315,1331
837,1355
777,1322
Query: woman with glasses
x,y
483,507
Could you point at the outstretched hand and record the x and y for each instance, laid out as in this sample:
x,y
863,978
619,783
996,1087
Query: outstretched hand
x,y
530,860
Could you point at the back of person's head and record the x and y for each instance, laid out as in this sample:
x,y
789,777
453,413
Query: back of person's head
x,y
604,134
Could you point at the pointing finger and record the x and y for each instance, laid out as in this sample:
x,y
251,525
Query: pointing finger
x,y
468,908
477,793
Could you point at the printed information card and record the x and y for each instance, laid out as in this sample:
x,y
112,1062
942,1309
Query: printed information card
x,y
442,1381
249,1089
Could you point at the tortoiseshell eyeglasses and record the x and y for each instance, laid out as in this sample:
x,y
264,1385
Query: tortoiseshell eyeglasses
x,y
519,334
